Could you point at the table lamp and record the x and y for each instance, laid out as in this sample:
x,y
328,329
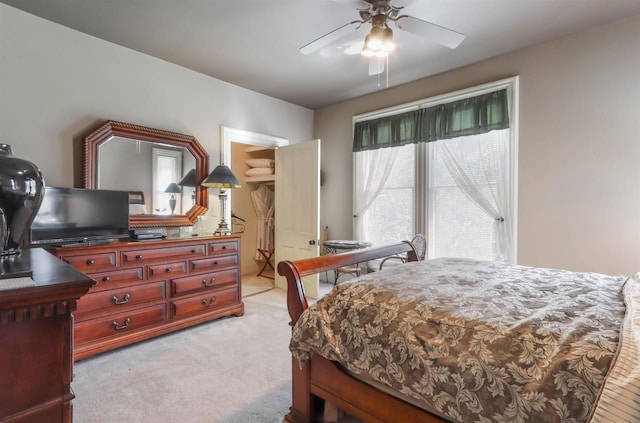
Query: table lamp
x,y
189,180
172,190
221,177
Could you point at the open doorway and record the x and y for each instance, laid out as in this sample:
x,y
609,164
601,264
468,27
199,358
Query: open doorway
x,y
251,157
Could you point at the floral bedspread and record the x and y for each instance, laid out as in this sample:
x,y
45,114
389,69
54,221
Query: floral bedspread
x,y
474,341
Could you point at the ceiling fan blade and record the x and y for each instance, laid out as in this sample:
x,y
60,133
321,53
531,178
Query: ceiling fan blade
x,y
327,39
354,4
376,65
436,33
401,4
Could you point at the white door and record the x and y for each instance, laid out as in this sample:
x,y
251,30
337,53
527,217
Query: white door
x,y
297,204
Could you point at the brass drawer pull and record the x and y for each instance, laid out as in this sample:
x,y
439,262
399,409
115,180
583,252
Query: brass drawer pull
x,y
139,257
193,251
215,263
125,299
169,269
91,261
224,247
209,283
209,303
106,279
116,326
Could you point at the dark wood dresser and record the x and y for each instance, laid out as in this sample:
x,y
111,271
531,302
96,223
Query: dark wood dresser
x,y
149,288
36,340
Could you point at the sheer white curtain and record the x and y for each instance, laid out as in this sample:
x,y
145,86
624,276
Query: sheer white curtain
x,y
372,168
263,203
479,165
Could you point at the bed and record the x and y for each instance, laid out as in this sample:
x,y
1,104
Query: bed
x,y
454,340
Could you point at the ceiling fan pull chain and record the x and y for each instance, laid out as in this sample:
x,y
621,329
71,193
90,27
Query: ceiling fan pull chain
x,y
386,68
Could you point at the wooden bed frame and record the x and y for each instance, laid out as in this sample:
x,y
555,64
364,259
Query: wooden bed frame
x,y
321,379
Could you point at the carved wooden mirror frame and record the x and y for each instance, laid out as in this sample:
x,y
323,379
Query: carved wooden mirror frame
x,y
109,129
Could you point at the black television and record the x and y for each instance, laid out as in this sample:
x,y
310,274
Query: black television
x,y
72,216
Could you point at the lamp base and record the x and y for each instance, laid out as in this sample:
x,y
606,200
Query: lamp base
x,y
223,226
223,229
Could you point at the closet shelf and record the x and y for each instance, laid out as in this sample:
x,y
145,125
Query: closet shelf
x,y
260,178
257,148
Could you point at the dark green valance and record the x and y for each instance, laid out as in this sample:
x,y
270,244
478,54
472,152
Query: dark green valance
x,y
471,116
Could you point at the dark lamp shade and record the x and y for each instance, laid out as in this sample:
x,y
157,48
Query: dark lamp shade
x,y
189,180
221,177
173,188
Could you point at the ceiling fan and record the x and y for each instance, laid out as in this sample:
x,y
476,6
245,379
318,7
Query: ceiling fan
x,y
379,42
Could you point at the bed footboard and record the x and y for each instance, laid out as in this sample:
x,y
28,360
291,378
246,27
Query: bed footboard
x,y
294,271
321,379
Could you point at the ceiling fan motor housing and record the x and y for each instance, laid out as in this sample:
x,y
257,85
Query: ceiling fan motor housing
x,y
379,12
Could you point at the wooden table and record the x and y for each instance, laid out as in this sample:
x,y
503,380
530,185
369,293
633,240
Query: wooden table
x,y
335,246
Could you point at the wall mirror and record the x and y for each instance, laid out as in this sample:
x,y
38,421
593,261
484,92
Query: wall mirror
x,y
159,169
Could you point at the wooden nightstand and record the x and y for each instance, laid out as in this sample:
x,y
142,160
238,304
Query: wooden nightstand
x,y
36,340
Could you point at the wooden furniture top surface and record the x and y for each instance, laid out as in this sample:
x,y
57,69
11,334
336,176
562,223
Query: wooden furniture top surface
x,y
54,280
346,244
132,243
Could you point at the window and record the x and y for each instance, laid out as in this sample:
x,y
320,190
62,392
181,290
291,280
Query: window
x,y
458,191
391,215
167,166
457,225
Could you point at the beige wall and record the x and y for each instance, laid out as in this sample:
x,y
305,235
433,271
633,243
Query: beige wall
x,y
579,147
57,84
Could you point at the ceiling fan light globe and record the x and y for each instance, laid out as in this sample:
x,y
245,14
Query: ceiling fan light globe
x,y
377,31
367,42
387,39
374,44
381,53
375,38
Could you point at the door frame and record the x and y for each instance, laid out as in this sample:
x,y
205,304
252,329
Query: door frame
x,y
229,135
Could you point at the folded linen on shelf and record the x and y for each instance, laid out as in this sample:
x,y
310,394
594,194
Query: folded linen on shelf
x,y
260,162
258,171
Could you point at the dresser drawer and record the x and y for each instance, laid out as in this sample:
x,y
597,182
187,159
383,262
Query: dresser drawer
x,y
86,263
205,302
120,323
115,299
164,269
223,247
164,253
106,280
191,284
214,263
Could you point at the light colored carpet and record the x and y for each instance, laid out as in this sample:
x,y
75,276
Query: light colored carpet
x,y
252,284
235,370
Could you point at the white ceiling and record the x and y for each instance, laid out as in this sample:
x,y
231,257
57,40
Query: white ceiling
x,y
254,43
